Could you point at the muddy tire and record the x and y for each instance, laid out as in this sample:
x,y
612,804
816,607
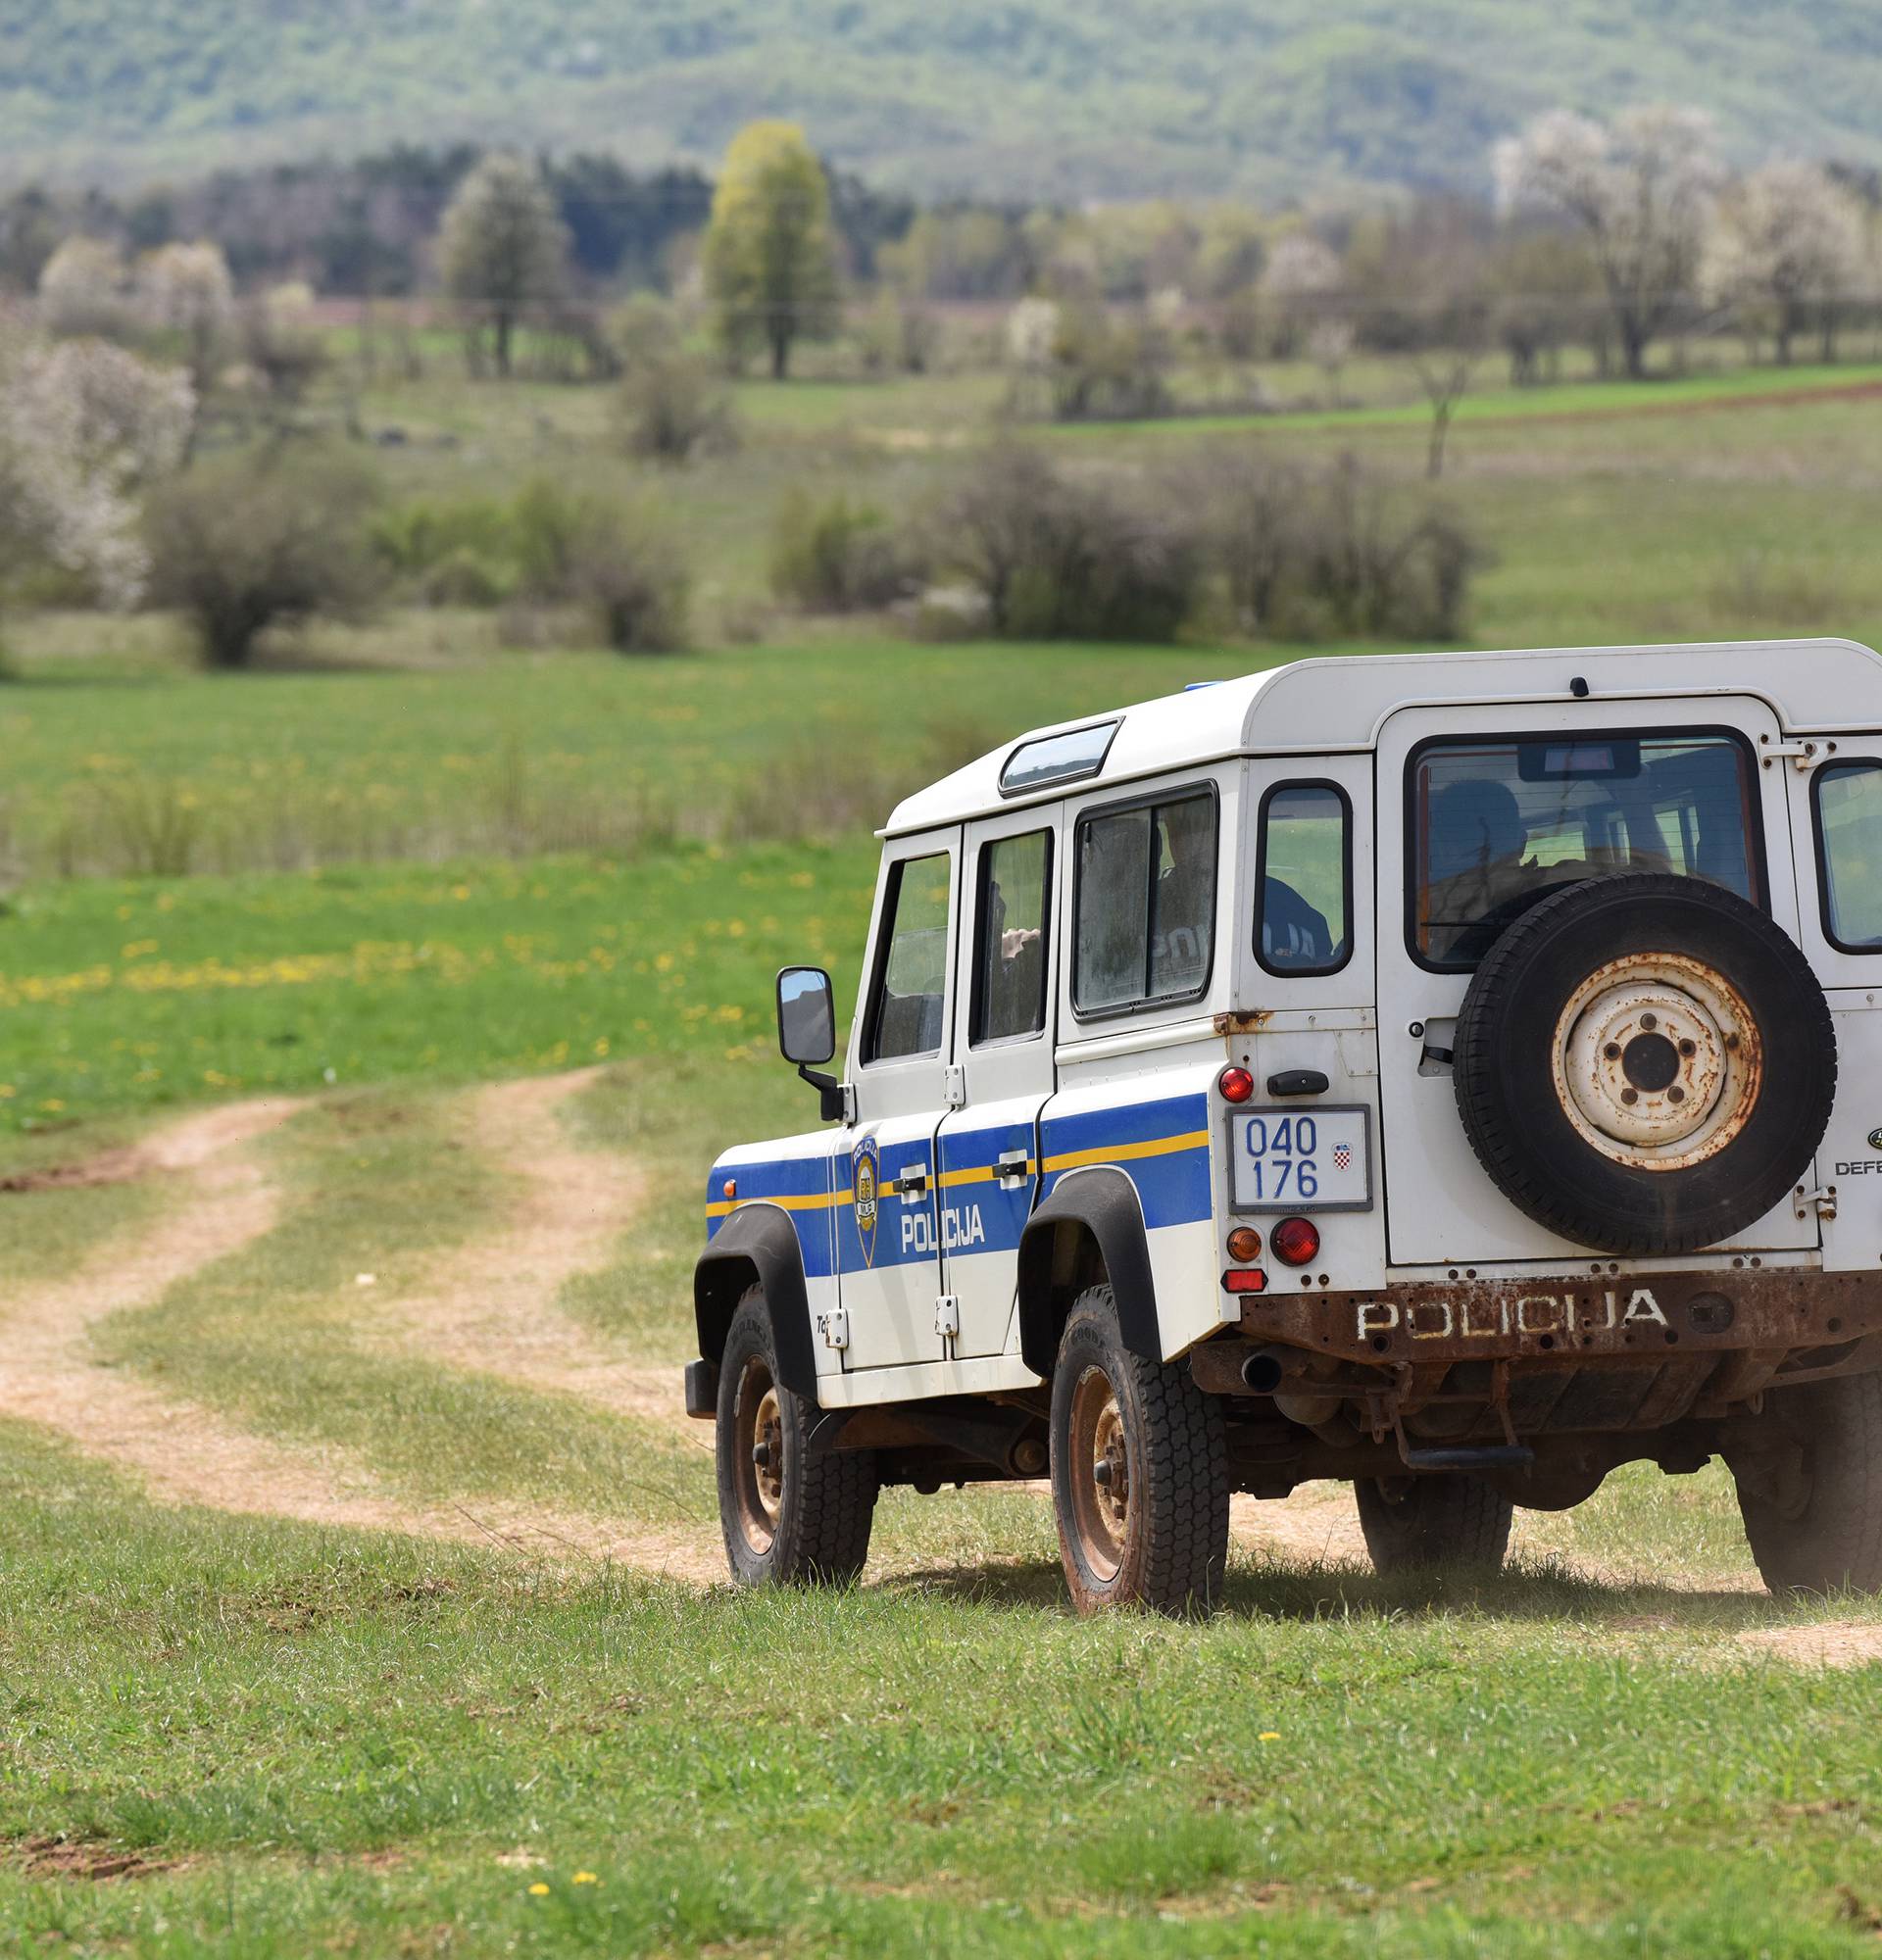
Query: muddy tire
x,y
789,1518
1418,1523
1644,1063
1139,1472
1816,1525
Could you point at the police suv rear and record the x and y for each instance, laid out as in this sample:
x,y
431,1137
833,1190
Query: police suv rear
x,y
1456,1074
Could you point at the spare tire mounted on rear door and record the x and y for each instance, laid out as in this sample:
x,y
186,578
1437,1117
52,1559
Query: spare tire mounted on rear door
x,y
1645,1063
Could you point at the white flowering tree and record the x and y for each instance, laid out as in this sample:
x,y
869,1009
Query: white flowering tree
x,y
84,288
84,427
1305,284
1032,333
1789,246
187,289
1641,189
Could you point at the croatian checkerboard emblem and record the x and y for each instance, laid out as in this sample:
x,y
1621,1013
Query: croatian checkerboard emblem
x,y
1342,1156
865,1178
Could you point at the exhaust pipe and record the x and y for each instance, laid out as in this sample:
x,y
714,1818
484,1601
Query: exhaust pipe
x,y
1268,1372
1265,1369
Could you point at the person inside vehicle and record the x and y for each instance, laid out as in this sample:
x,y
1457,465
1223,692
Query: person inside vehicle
x,y
1293,933
1477,880
1183,897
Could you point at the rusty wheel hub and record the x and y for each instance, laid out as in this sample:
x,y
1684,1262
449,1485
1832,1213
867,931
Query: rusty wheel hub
x,y
1656,1061
758,1462
1100,1467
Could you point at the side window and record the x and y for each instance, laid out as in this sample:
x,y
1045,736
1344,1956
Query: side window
x,y
1303,897
1146,903
1848,847
1009,954
907,1016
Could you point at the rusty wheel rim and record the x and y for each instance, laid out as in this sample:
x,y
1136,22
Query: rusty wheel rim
x,y
757,1455
1656,1061
1099,1474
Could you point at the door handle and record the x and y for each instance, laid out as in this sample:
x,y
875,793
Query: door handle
x,y
1013,1166
912,1182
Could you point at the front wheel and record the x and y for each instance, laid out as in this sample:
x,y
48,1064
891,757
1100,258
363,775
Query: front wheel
x,y
789,1518
1139,1472
1412,1524
1813,1505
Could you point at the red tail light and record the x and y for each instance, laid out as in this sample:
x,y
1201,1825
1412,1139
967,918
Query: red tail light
x,y
1244,1279
1236,1085
1293,1241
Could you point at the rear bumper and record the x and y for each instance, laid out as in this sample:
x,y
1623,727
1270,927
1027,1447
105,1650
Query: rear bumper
x,y
1564,1318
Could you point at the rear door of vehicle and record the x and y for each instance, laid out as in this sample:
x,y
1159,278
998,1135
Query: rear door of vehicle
x,y
1597,785
988,1147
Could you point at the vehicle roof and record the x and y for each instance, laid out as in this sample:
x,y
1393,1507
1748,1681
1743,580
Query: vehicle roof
x,y
1319,706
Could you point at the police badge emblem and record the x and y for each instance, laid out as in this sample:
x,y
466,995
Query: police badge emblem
x,y
863,1179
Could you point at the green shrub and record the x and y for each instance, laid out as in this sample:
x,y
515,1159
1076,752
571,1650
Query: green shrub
x,y
632,584
671,407
1058,556
609,558
464,577
836,556
1305,553
242,543
412,539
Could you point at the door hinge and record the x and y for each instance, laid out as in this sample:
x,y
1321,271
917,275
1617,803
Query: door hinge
x,y
834,1327
1802,754
947,1316
954,1086
1823,1197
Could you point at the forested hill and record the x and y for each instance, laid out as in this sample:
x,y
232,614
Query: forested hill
x,y
1025,97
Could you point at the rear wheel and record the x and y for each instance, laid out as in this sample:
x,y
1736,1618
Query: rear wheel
x,y
1813,1503
1414,1523
1139,1472
789,1518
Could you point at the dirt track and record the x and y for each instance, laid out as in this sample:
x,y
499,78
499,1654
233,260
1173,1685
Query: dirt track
x,y
489,1306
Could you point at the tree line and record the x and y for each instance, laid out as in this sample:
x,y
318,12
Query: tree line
x,y
1612,236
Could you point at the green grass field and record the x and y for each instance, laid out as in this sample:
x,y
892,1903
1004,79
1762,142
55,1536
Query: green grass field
x,y
403,864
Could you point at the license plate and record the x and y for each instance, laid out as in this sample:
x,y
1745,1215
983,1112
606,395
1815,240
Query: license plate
x,y
1317,1159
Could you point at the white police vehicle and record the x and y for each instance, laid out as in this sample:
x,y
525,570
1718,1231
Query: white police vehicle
x,y
1422,1071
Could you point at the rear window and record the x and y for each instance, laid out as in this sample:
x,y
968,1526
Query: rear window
x,y
1497,825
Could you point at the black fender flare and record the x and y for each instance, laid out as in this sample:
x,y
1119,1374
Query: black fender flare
x,y
757,1245
1101,1204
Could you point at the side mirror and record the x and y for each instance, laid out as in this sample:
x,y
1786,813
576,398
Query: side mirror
x,y
806,1015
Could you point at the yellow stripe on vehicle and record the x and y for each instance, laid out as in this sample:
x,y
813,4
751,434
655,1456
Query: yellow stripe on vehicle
x,y
985,1174
815,1201
1105,1154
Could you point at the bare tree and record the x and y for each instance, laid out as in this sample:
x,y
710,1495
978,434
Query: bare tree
x,y
1641,189
1788,243
502,248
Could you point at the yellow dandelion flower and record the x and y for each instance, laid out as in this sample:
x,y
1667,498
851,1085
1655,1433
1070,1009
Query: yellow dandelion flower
x,y
1271,1734
538,1889
587,1878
